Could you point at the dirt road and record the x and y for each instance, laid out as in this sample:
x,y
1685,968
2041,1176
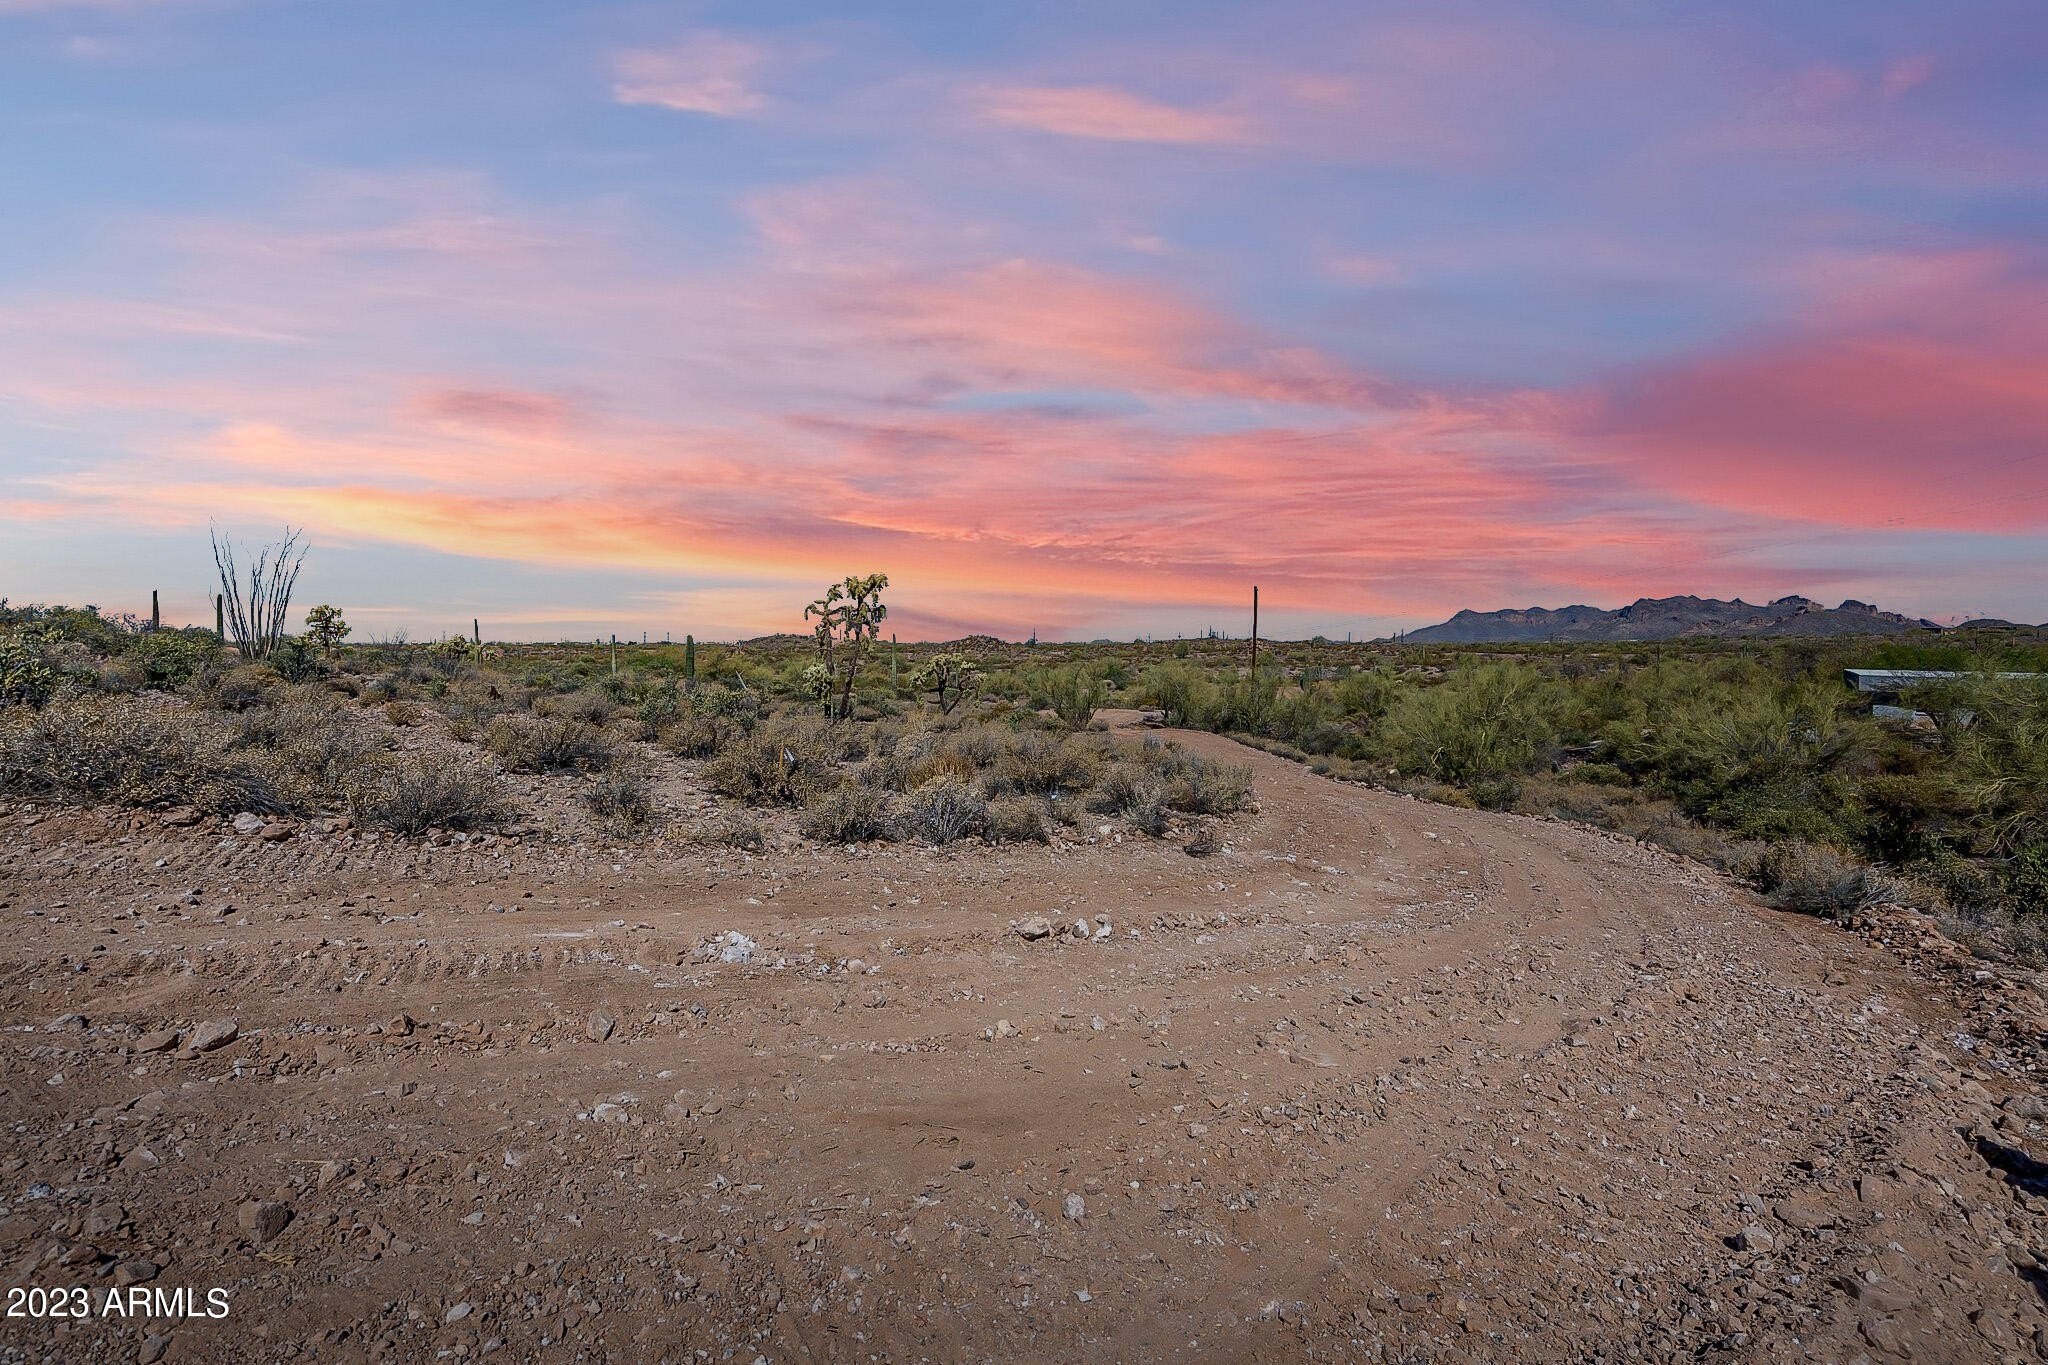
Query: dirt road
x,y
1376,1079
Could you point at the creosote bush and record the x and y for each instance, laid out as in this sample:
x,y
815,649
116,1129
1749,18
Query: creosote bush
x,y
849,815
413,793
544,744
943,810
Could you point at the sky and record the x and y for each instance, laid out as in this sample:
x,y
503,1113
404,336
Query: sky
x,y
1074,318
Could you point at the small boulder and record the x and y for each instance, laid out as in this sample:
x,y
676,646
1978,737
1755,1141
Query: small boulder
x,y
162,1040
600,1025
248,822
1034,927
261,1220
212,1034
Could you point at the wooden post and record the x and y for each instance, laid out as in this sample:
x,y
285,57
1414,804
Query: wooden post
x,y
156,616
1255,633
615,654
892,661
220,626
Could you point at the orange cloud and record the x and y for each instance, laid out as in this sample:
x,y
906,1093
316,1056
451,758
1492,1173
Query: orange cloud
x,y
1107,114
709,73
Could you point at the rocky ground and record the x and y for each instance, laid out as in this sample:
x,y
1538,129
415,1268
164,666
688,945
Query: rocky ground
x,y
1375,1079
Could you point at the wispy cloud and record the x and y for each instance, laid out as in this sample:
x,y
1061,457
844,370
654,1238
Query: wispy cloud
x,y
1105,113
705,73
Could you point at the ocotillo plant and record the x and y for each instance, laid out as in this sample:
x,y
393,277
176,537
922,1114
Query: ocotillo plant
x,y
257,614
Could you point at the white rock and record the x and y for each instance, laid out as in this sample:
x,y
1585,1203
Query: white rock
x,y
248,822
737,947
1075,1207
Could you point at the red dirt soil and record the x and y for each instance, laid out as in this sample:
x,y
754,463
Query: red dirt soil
x,y
1378,1079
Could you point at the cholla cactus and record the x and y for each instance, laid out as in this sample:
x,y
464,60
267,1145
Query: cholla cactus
x,y
953,676
849,617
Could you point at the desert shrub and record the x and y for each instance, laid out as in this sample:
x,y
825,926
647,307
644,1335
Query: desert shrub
x,y
409,793
297,660
731,829
589,706
1200,787
1817,880
1018,820
784,762
173,658
244,686
662,707
1481,729
546,744
1119,786
306,735
404,713
943,810
621,799
1074,695
132,752
849,815
29,675
692,736
1039,765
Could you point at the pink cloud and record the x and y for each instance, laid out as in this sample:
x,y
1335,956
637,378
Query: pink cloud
x,y
1915,398
1107,114
707,73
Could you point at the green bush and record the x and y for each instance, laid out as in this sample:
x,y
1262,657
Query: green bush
x,y
173,658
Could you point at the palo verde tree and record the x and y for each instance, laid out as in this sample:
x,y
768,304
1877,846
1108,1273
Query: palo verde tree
x,y
255,612
849,617
326,628
952,676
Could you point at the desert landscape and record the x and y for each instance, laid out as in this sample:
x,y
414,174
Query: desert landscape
x,y
756,683
962,1033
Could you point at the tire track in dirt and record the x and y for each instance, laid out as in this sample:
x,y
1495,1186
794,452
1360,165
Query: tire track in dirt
x,y
1382,1077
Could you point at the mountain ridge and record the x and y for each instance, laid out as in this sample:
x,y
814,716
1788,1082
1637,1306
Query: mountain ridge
x,y
1667,618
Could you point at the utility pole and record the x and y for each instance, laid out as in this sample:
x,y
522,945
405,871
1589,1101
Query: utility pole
x,y
156,617
1255,633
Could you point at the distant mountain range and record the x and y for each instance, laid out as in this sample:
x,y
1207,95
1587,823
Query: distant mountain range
x,y
1667,618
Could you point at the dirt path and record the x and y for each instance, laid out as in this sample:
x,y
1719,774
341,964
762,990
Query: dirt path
x,y
1379,1078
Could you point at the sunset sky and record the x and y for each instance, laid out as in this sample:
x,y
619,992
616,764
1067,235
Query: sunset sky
x,y
1078,317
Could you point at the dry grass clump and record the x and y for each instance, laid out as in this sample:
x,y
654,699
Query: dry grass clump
x,y
1018,820
1816,880
621,800
735,828
404,713
541,744
408,793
